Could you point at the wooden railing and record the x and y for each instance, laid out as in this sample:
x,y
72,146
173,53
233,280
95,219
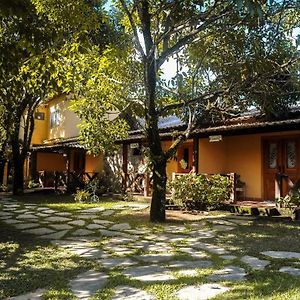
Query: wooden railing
x,y
65,179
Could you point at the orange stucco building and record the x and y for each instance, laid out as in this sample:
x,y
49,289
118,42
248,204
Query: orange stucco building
x,y
55,145
257,151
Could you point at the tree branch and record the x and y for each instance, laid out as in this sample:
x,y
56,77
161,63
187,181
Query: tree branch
x,y
134,29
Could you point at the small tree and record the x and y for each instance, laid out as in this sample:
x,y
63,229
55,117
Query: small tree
x,y
39,39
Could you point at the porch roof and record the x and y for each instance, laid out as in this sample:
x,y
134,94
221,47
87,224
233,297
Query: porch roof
x,y
237,126
59,144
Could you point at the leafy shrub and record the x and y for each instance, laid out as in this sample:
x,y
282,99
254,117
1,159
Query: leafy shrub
x,y
289,201
32,185
199,191
82,196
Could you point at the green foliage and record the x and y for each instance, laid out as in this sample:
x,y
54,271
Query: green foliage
x,y
82,196
200,191
103,97
32,184
289,201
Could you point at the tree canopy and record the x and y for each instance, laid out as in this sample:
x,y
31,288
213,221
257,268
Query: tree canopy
x,y
40,43
231,56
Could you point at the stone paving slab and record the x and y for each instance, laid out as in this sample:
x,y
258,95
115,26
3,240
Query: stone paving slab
x,y
202,234
37,295
155,258
82,232
130,293
27,225
102,222
27,216
95,226
116,262
56,235
149,273
202,292
210,248
57,219
222,222
61,226
228,257
190,264
254,262
63,214
282,254
12,221
158,247
108,213
120,227
86,216
77,223
49,211
87,284
39,231
93,210
120,250
290,270
110,233
229,273
192,252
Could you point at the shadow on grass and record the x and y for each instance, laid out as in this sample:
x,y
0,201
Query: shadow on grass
x,y
28,263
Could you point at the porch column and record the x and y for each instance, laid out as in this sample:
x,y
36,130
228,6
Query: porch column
x,y
196,155
68,167
146,184
278,186
125,165
32,165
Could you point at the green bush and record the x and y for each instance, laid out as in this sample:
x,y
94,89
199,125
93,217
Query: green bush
x,y
82,196
199,191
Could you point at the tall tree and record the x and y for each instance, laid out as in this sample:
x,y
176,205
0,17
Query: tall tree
x,y
230,55
36,39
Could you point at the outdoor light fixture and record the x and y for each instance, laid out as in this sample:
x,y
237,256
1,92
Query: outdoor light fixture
x,y
215,138
134,145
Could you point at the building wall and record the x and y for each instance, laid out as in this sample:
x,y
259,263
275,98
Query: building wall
x,y
51,162
212,157
67,127
93,163
172,165
239,154
41,127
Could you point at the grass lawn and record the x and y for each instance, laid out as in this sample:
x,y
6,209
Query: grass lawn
x,y
28,263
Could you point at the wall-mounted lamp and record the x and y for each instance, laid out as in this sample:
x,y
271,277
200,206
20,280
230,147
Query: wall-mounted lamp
x,y
215,138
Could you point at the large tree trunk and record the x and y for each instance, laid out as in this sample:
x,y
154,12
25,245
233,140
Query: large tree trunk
x,y
158,203
157,155
2,167
18,169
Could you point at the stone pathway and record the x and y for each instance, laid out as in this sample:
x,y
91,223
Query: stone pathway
x,y
87,284
202,292
130,293
143,254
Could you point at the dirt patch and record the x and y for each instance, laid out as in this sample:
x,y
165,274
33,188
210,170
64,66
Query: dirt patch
x,y
174,215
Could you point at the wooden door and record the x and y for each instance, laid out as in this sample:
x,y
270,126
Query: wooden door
x,y
185,158
281,156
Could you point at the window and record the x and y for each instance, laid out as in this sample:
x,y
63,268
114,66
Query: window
x,y
39,116
186,157
55,116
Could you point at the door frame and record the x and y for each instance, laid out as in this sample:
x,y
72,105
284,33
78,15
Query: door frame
x,y
279,138
190,146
